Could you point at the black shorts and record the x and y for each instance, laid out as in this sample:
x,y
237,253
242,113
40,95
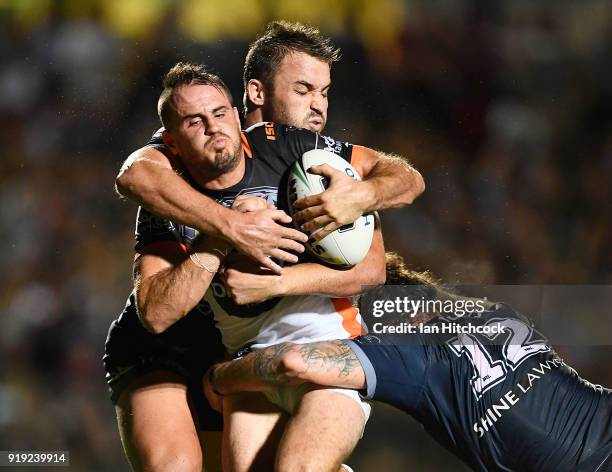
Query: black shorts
x,y
188,348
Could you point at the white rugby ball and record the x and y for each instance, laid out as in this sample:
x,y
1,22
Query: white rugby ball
x,y
347,245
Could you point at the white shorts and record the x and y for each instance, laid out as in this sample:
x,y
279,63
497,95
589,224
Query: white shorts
x,y
288,398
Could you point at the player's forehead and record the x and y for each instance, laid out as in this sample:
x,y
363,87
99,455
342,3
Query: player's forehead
x,y
300,67
198,98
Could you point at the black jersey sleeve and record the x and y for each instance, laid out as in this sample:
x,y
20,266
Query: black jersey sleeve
x,y
297,141
157,142
286,144
151,228
156,138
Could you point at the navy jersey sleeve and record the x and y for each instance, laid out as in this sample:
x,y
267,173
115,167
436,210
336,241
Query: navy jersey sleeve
x,y
395,371
151,229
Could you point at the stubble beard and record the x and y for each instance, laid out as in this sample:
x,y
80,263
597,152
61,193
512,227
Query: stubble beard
x,y
281,115
227,161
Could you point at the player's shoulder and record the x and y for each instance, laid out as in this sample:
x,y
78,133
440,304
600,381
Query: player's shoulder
x,y
156,138
271,141
155,150
276,132
280,134
290,142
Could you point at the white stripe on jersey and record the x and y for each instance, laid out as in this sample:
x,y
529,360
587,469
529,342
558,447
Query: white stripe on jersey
x,y
298,319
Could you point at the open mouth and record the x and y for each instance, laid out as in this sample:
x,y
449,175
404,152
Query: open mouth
x,y
316,123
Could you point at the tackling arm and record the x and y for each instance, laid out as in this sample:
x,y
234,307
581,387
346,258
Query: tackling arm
x,y
170,284
250,286
389,182
329,363
147,177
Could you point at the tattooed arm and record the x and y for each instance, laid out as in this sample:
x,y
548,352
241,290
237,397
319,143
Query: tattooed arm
x,y
329,363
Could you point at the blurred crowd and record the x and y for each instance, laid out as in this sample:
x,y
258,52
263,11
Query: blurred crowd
x,y
505,108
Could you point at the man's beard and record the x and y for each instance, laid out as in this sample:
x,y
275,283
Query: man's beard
x,y
227,161
281,116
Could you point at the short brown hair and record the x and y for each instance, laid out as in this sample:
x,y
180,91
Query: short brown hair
x,y
186,73
279,39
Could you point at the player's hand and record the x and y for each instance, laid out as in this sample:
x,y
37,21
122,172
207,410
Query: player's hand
x,y
343,202
215,401
245,203
248,284
260,235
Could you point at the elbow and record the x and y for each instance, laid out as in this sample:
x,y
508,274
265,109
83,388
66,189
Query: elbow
x,y
151,319
379,276
375,272
151,323
367,274
125,182
420,183
416,188
155,327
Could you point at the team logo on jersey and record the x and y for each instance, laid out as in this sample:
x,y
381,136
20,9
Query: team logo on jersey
x,y
152,224
332,145
269,194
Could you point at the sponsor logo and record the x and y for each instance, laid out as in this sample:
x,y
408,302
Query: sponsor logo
x,y
269,127
332,145
269,194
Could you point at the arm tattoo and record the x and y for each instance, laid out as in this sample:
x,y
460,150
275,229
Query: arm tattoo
x,y
331,357
266,362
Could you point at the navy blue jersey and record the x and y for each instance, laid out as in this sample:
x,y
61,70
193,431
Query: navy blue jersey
x,y
502,401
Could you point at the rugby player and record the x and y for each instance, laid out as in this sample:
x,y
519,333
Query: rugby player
x,y
142,440
203,129
286,80
156,377
502,402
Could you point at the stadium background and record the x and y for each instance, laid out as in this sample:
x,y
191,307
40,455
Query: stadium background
x,y
505,107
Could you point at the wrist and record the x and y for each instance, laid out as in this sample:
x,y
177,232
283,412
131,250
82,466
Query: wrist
x,y
280,287
225,224
210,253
368,197
206,261
283,286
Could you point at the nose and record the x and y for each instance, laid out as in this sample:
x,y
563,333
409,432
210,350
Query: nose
x,y
318,103
212,126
